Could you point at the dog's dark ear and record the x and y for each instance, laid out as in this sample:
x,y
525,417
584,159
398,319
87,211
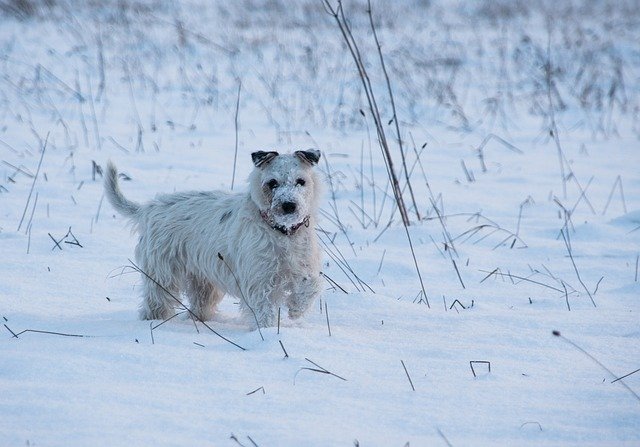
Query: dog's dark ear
x,y
311,156
261,158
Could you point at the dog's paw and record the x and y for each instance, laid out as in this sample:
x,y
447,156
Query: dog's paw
x,y
156,314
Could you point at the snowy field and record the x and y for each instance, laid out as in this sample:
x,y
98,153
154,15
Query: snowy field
x,y
520,130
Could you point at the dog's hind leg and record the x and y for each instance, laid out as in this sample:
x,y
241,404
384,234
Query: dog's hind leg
x,y
157,304
203,297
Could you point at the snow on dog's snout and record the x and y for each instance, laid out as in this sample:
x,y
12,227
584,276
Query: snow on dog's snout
x,y
289,203
284,186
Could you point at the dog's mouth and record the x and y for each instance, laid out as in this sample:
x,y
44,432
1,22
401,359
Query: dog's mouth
x,y
285,228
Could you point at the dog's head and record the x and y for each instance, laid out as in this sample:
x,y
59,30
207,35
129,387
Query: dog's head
x,y
285,187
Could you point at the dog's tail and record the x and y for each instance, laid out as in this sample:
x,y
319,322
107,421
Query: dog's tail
x,y
125,206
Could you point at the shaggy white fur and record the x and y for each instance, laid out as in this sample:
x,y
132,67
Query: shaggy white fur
x,y
258,246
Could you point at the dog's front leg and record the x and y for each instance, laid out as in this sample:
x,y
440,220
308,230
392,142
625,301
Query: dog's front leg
x,y
260,310
305,291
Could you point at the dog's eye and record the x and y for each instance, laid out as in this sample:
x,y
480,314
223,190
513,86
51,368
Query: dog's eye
x,y
272,184
300,182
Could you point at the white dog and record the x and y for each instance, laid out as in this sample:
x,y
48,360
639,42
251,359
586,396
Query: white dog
x,y
258,246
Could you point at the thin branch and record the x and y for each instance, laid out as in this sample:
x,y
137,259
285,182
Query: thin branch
x,y
408,376
318,369
484,362
235,154
626,375
343,25
558,334
242,294
283,350
33,184
510,275
256,390
193,315
393,109
326,313
575,268
618,182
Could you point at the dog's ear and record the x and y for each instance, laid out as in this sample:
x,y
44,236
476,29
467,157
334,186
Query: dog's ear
x,y
310,156
261,158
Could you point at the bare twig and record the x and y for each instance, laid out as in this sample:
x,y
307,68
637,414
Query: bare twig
x,y
345,29
33,184
235,121
532,423
193,315
256,390
393,109
553,128
246,303
36,331
618,183
521,278
444,438
408,376
283,350
20,169
9,329
456,301
484,362
33,209
381,260
575,268
558,334
501,140
626,375
333,283
455,266
566,295
318,369
326,313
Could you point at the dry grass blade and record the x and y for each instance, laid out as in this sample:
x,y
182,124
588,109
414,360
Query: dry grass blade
x,y
333,283
242,295
326,313
483,362
318,369
497,272
235,121
626,375
193,315
33,184
286,355
575,268
37,331
618,379
617,183
408,376
345,29
256,390
393,109
444,438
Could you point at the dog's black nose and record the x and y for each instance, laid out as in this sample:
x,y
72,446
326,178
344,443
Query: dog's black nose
x,y
288,207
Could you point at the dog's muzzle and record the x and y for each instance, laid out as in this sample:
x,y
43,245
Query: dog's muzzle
x,y
287,231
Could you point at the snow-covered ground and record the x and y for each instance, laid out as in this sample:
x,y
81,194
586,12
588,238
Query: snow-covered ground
x,y
496,102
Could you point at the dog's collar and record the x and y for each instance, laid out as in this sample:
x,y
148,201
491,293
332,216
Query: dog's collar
x,y
287,231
